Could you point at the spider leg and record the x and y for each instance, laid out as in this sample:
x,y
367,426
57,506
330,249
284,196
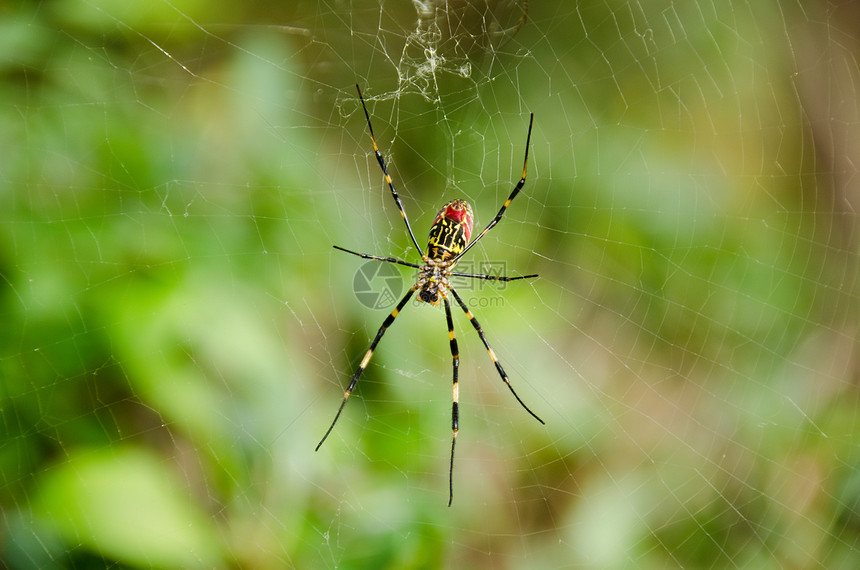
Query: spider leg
x,y
492,354
455,408
364,361
388,259
510,199
382,165
488,277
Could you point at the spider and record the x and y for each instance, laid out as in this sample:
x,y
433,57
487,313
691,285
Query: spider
x,y
448,242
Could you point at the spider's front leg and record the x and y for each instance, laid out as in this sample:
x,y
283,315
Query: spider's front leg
x,y
492,354
455,408
389,320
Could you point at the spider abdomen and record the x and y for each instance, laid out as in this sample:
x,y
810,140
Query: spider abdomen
x,y
451,231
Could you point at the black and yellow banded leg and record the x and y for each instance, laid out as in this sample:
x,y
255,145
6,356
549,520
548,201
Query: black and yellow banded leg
x,y
455,408
492,354
384,168
510,199
364,361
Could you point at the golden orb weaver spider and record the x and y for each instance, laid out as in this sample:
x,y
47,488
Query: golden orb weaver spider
x,y
447,243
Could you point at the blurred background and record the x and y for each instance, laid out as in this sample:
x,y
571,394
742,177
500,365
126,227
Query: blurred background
x,y
177,330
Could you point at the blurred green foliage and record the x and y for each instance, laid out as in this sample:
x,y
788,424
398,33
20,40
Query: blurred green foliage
x,y
177,330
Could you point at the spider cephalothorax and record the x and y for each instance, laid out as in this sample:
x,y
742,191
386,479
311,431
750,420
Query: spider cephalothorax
x,y
448,241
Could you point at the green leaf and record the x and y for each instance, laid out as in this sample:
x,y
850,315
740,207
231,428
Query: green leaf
x,y
127,505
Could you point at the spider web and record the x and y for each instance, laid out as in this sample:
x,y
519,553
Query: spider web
x,y
178,330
